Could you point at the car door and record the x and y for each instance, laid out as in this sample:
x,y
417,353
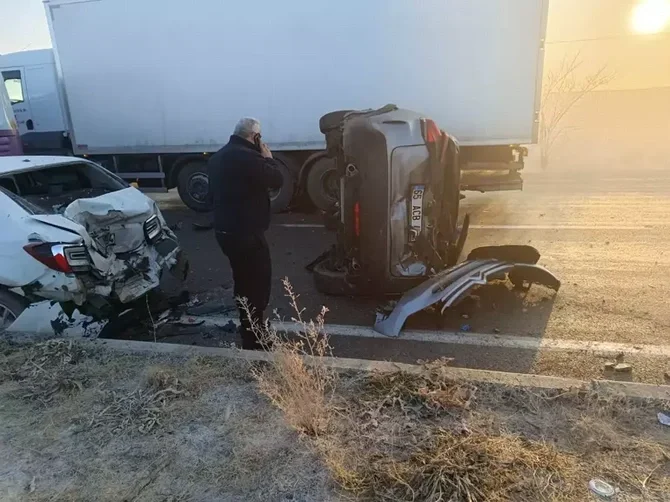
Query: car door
x,y
15,83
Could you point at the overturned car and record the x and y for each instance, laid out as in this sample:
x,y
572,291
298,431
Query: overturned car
x,y
76,234
397,217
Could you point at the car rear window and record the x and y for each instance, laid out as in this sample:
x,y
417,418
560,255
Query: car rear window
x,y
62,179
53,188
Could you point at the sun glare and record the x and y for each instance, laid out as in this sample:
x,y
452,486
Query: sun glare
x,y
651,16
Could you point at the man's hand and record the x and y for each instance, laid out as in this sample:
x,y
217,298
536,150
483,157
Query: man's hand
x,y
265,151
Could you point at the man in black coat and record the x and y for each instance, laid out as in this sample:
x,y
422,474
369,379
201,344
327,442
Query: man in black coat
x,y
240,175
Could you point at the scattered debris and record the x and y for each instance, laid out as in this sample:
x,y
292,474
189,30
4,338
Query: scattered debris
x,y
465,316
602,489
664,418
496,331
229,327
211,307
189,322
466,327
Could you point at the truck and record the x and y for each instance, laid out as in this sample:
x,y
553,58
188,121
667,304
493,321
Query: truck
x,y
150,89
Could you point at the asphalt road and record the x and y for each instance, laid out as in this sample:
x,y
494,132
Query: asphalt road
x,y
605,235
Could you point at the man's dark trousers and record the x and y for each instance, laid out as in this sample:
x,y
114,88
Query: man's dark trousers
x,y
249,257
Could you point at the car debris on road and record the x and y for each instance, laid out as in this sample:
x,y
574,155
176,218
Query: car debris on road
x,y
76,234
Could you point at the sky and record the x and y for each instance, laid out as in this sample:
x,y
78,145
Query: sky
x,y
23,26
600,30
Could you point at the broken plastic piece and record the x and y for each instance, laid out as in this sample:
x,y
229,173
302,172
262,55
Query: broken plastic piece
x,y
664,418
602,489
453,284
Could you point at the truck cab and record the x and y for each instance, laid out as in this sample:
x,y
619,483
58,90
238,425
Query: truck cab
x,y
29,79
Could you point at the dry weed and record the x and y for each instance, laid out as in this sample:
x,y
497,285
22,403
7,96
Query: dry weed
x,y
425,393
141,409
51,368
445,466
303,392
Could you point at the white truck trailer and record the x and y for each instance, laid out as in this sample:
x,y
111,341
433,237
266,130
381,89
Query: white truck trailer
x,y
149,88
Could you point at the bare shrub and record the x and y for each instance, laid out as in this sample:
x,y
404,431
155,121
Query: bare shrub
x,y
562,89
303,392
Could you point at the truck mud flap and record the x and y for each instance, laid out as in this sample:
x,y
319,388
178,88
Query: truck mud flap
x,y
453,284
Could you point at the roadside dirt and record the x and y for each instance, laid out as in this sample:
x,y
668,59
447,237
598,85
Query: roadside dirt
x,y
83,423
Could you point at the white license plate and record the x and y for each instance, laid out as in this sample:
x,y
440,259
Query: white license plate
x,y
416,208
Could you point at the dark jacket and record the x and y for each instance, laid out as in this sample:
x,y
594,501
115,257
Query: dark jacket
x,y
240,178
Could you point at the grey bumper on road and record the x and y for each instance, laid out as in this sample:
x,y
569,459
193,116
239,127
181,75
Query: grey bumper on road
x,y
452,285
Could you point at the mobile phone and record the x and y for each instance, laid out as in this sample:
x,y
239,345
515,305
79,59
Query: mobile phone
x,y
257,141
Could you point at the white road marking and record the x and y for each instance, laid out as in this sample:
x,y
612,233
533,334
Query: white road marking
x,y
475,339
559,227
507,227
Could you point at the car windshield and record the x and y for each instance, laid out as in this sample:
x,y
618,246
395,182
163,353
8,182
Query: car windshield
x,y
52,189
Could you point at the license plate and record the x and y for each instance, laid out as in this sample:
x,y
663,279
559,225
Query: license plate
x,y
416,208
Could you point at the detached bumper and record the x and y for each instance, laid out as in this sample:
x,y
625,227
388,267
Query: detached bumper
x,y
452,285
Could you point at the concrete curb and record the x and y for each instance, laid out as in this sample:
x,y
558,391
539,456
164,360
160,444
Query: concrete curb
x,y
628,389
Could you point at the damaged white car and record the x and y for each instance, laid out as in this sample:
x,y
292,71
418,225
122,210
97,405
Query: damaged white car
x,y
74,233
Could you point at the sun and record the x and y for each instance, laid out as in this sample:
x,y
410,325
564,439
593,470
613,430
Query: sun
x,y
651,16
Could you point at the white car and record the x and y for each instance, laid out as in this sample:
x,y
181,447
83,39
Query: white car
x,y
75,233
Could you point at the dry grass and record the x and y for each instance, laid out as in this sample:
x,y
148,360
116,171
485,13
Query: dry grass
x,y
46,370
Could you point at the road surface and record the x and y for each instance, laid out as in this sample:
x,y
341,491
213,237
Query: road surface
x,y
606,236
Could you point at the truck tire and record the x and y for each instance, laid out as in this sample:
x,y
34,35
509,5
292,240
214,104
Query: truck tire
x,y
11,307
322,183
193,185
281,198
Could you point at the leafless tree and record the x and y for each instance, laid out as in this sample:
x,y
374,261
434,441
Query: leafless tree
x,y
562,88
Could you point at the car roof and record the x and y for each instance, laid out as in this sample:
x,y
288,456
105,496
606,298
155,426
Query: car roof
x,y
14,164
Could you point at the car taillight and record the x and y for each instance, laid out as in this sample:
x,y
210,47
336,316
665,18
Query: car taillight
x,y
429,130
61,257
357,219
152,228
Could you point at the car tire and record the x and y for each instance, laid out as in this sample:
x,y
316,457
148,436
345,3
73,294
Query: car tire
x,y
281,198
331,282
11,307
319,190
332,120
193,185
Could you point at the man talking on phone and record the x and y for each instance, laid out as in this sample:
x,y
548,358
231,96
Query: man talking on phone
x,y
240,175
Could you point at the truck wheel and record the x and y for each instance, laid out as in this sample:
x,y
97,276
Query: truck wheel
x,y
11,307
322,183
193,185
281,198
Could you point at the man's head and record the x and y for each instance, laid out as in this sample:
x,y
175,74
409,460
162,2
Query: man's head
x,y
248,129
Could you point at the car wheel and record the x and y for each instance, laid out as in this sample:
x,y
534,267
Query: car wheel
x,y
323,184
193,186
332,120
11,307
331,282
281,198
